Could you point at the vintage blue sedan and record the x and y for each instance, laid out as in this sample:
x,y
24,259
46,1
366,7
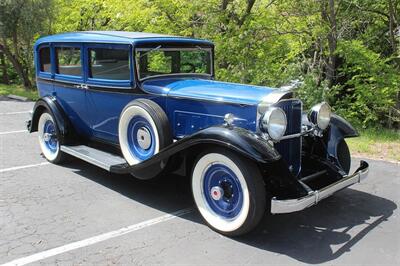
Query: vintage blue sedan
x,y
147,104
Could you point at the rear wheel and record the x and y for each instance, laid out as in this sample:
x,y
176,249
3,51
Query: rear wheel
x,y
49,139
229,192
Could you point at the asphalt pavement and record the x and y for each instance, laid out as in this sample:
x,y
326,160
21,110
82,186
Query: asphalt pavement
x,y
76,213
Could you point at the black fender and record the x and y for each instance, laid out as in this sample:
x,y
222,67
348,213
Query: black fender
x,y
338,130
50,104
343,127
242,141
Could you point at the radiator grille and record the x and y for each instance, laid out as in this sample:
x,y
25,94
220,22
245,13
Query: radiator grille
x,y
290,149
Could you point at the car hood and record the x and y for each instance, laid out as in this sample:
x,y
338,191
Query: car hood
x,y
210,90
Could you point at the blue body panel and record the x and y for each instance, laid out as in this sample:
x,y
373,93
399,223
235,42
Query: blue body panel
x,y
191,102
207,90
104,109
194,104
116,37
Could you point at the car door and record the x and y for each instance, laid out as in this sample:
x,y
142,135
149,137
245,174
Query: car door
x,y
110,87
69,86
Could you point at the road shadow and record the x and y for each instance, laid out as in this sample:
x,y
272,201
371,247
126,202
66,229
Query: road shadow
x,y
324,232
319,234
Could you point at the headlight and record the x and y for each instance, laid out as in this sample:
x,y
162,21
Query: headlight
x,y
274,122
320,115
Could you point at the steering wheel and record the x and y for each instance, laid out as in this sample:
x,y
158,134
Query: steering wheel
x,y
192,67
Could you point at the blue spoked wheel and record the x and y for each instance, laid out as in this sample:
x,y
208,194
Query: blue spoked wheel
x,y
141,138
48,139
143,131
223,191
229,192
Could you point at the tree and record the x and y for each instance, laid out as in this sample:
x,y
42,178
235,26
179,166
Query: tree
x,y
3,66
21,21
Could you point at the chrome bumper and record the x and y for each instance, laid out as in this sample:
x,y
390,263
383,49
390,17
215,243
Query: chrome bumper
x,y
293,205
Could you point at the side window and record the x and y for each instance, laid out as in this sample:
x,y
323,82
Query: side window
x,y
111,64
69,61
44,59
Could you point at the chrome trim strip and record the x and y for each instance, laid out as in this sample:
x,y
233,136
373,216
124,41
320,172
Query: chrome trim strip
x,y
209,100
293,205
275,96
296,135
268,100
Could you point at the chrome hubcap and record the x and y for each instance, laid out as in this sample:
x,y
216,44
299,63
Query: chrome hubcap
x,y
216,193
48,136
144,138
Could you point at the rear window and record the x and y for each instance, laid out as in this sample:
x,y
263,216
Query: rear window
x,y
69,61
111,64
44,59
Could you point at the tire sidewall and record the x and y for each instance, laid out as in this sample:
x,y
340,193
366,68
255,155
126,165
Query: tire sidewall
x,y
248,216
127,115
47,153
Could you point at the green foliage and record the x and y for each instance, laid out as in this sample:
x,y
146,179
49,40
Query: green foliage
x,y
19,91
370,86
21,22
345,52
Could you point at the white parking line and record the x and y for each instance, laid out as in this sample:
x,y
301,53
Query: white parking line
x,y
22,167
96,239
14,113
12,132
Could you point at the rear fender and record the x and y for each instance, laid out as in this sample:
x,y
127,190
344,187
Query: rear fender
x,y
49,104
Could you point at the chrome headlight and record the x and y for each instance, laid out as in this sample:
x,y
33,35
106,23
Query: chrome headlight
x,y
274,122
320,115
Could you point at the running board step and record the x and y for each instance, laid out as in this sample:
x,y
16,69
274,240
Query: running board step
x,y
97,157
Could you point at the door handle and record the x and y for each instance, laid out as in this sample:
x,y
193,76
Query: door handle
x,y
81,86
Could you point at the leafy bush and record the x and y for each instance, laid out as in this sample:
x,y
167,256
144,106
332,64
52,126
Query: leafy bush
x,y
371,84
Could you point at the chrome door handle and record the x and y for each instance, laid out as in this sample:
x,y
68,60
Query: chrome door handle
x,y
81,86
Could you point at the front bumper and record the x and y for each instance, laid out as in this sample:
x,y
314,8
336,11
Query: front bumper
x,y
293,205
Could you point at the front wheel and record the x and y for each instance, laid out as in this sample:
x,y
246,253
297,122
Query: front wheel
x,y
229,192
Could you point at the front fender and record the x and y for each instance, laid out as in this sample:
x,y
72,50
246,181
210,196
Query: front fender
x,y
240,140
50,104
338,130
344,128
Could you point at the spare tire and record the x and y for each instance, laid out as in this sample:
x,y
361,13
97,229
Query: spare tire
x,y
143,130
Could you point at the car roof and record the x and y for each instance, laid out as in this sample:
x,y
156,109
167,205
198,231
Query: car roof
x,y
126,37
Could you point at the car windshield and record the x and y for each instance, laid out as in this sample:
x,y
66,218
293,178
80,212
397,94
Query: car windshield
x,y
159,61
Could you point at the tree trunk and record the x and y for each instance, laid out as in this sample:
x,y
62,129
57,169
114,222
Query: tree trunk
x,y
392,26
3,66
17,66
329,16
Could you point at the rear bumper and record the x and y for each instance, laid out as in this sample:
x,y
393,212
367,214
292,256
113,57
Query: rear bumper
x,y
293,205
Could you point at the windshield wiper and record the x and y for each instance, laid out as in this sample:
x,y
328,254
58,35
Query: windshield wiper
x,y
151,50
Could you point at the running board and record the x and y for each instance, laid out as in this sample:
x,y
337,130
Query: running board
x,y
96,157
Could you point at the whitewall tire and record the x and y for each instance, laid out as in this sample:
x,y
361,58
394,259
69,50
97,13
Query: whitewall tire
x,y
228,191
49,139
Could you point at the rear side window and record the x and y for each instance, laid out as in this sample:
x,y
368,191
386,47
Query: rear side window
x,y
111,64
44,59
69,61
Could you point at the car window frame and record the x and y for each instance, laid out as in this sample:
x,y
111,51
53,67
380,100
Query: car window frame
x,y
65,77
44,74
204,75
109,84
